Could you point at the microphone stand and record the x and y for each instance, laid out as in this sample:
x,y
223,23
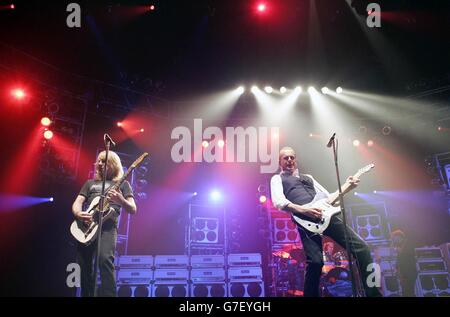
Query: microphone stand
x,y
100,217
344,216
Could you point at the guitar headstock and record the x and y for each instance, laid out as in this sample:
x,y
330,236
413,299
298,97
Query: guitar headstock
x,y
366,168
139,160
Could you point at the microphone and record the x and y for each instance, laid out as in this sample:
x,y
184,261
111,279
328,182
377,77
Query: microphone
x,y
106,137
331,140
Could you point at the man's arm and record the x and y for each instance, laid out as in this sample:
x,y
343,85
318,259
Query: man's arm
x,y
77,209
128,204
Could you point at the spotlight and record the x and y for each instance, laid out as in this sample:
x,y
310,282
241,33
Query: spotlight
x,y
268,89
48,134
221,143
311,89
356,142
310,135
275,135
142,130
262,199
119,124
261,7
283,90
374,191
45,121
298,89
356,194
18,93
152,7
194,194
215,195
325,90
254,89
240,90
12,6
205,144
50,199
339,90
386,130
370,143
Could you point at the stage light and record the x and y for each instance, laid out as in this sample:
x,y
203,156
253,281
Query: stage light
x,y
152,8
240,90
142,130
386,130
356,142
254,89
310,135
119,124
268,89
339,90
205,144
194,194
48,134
275,135
311,89
325,90
298,89
12,6
221,143
370,143
374,191
283,90
356,194
215,195
45,121
262,199
261,7
18,93
50,199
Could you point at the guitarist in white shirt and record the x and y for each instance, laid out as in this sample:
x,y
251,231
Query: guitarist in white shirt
x,y
291,192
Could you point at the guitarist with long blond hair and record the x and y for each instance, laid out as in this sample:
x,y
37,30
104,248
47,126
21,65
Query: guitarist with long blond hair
x,y
292,192
118,199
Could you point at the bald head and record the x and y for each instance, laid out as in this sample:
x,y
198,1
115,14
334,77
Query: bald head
x,y
288,159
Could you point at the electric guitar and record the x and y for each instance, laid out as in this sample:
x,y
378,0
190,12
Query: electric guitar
x,y
86,233
328,206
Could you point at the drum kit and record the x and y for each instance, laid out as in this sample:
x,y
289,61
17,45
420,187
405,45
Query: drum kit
x,y
290,264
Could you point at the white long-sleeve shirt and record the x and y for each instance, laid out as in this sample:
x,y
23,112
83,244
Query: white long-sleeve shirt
x,y
280,201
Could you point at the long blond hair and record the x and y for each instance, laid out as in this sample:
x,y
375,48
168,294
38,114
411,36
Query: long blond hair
x,y
114,170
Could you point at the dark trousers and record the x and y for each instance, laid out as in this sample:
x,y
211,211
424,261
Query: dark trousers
x,y
86,256
312,245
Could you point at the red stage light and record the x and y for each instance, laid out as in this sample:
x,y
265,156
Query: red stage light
x,y
12,6
370,143
45,121
356,142
142,130
18,93
119,124
48,134
152,7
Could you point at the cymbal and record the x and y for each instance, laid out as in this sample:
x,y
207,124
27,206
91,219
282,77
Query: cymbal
x,y
282,254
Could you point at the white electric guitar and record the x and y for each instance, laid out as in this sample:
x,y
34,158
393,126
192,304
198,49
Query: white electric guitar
x,y
328,206
86,233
